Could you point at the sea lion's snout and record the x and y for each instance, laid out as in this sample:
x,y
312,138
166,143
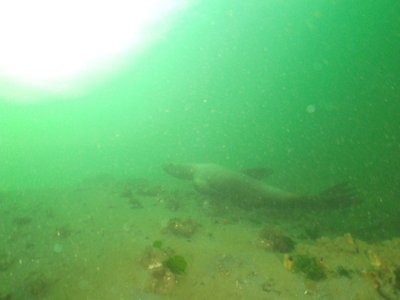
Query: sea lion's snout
x,y
181,171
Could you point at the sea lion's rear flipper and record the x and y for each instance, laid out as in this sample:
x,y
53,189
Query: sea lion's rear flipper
x,y
258,173
338,196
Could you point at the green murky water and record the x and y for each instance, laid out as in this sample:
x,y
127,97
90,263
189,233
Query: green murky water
x,y
308,88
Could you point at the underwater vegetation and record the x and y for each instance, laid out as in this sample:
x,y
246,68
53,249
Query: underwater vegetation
x,y
165,266
176,264
157,244
312,232
309,266
342,271
385,281
397,278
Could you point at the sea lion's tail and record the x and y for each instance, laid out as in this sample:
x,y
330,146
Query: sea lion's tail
x,y
338,196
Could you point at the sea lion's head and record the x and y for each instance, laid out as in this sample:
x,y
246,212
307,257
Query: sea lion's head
x,y
181,171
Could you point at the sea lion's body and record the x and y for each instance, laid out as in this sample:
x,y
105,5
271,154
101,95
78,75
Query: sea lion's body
x,y
218,181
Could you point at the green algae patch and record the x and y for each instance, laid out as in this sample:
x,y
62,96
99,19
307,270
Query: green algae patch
x,y
397,278
310,267
157,244
176,264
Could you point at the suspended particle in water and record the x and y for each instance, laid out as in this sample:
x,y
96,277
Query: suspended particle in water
x,y
58,248
311,108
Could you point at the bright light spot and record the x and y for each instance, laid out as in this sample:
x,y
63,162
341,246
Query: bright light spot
x,y
311,108
48,43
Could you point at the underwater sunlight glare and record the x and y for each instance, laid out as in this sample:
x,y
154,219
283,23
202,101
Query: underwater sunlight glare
x,y
46,45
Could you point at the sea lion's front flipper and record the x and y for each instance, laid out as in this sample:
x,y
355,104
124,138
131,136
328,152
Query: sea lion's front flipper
x,y
258,173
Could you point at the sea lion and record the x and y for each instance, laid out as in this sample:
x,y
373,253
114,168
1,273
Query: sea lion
x,y
244,189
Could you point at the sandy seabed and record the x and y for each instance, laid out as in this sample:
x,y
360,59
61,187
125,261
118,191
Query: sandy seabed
x,y
110,239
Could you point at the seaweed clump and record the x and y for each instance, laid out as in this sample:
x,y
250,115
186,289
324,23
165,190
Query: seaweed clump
x,y
342,271
176,264
274,240
157,244
310,267
165,267
313,232
397,278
